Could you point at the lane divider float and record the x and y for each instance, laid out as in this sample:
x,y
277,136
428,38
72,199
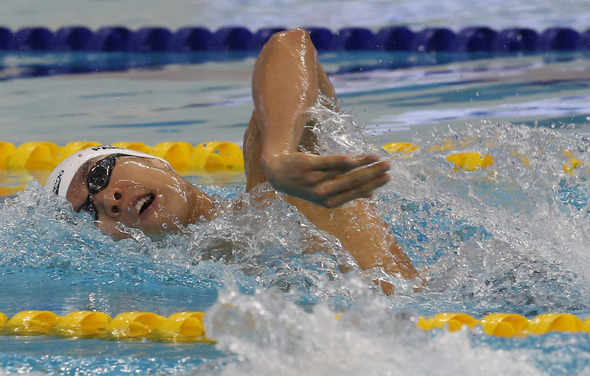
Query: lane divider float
x,y
40,157
188,326
178,327
508,324
208,156
45,155
238,38
467,161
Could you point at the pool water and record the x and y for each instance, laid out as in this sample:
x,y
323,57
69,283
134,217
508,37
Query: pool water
x,y
510,238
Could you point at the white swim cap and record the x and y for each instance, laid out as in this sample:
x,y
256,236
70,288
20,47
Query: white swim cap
x,y
61,177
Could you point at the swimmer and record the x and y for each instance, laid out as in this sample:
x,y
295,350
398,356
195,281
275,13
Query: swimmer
x,y
141,191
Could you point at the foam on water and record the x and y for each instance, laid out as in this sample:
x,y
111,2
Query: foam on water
x,y
521,225
509,238
270,336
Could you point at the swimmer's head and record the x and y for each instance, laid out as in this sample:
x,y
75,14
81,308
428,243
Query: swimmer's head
x,y
124,188
61,177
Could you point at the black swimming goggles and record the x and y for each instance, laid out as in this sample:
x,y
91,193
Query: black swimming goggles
x,y
98,179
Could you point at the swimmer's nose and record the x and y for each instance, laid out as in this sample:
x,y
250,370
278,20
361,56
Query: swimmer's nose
x,y
115,206
111,200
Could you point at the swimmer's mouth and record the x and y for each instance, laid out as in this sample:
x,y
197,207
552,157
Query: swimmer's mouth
x,y
144,203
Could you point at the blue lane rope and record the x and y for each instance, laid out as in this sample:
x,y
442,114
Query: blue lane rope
x,y
192,39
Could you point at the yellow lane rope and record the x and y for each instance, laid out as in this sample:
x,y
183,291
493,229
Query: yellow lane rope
x,y
40,157
208,156
44,155
508,324
178,327
188,326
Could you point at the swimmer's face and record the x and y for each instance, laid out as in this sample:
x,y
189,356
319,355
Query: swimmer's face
x,y
136,192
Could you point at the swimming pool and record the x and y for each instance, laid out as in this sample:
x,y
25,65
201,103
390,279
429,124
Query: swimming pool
x,y
510,238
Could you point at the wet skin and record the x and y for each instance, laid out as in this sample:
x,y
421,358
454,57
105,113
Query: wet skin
x,y
172,200
331,191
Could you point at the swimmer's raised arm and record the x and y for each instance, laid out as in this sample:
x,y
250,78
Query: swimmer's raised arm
x,y
287,82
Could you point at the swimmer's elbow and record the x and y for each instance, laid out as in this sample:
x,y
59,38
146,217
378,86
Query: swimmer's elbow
x,y
289,38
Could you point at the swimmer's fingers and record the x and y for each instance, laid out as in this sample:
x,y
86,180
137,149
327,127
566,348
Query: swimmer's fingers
x,y
327,181
329,167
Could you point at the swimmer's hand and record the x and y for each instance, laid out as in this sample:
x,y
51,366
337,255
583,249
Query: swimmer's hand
x,y
327,181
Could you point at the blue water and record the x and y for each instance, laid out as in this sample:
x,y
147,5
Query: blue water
x,y
512,238
509,239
